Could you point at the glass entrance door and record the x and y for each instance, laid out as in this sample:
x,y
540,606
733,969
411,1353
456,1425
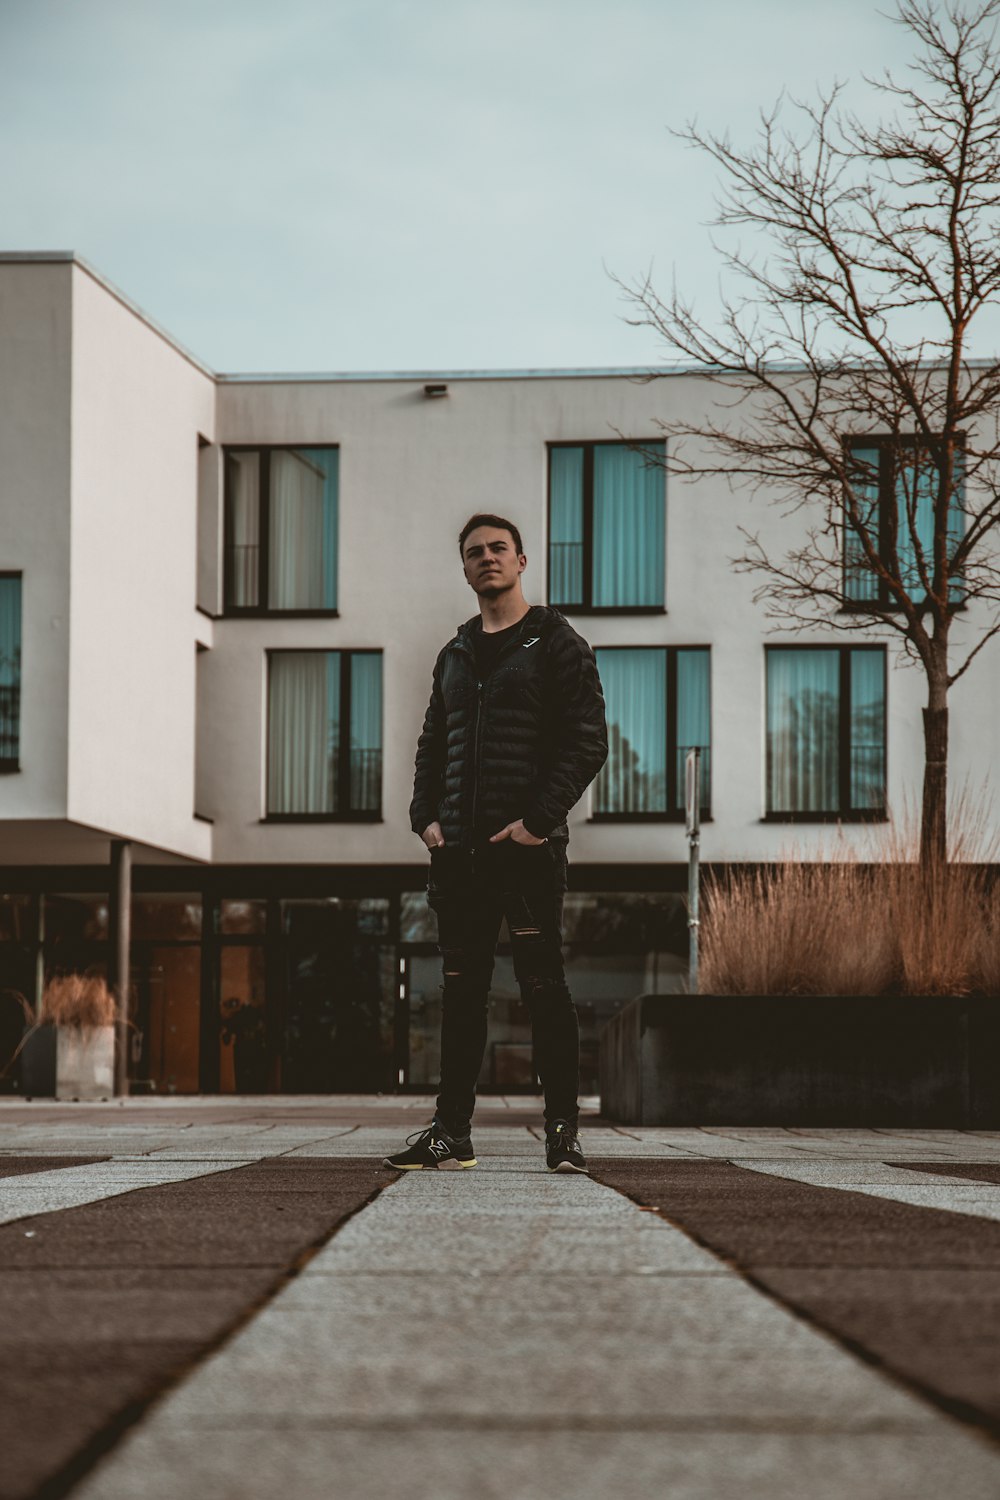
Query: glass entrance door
x,y
336,996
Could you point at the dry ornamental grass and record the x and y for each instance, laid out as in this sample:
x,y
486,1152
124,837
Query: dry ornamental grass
x,y
874,923
78,1000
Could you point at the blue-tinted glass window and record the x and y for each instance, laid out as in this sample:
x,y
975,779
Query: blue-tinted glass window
x,y
281,529
658,707
10,671
324,733
566,526
607,507
825,731
901,485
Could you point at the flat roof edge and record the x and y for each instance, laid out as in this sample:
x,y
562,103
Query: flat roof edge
x,y
623,372
36,257
638,373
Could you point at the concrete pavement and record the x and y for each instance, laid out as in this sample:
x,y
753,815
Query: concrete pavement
x,y
719,1316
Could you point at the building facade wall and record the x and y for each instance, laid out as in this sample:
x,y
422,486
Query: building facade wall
x,y
411,472
138,407
144,705
36,526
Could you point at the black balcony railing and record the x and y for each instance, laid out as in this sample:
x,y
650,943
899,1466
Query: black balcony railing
x,y
366,780
10,724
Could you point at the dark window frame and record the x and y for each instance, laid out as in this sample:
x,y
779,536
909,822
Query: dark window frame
x,y
587,607
262,611
10,765
673,814
345,653
849,814
888,449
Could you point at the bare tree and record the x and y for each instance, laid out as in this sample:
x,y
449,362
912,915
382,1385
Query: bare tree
x,y
843,383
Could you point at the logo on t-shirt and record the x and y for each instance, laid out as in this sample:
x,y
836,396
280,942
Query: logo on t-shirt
x,y
533,642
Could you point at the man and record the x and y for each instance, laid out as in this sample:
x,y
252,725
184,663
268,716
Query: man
x,y
513,735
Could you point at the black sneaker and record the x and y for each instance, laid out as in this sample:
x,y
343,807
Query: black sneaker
x,y
562,1148
433,1147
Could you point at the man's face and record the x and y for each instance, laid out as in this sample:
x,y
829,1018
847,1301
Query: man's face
x,y
491,562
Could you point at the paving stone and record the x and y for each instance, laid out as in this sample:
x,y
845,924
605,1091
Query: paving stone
x,y
918,1290
102,1305
503,1331
446,1462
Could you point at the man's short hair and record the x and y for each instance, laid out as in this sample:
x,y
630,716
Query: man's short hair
x,y
500,522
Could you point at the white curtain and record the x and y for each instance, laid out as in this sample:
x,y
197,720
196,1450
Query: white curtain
x,y
295,532
635,691
629,505
243,489
303,731
803,717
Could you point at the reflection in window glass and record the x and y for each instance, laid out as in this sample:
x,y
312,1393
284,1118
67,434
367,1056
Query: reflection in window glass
x,y
237,917
10,671
76,918
825,730
173,915
417,923
246,1058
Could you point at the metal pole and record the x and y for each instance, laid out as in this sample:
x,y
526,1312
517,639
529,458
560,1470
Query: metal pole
x,y
121,933
693,807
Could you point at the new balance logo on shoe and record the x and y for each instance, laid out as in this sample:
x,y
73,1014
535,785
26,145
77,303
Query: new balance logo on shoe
x,y
431,1148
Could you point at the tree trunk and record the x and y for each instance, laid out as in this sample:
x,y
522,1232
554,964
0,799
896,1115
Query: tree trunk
x,y
934,811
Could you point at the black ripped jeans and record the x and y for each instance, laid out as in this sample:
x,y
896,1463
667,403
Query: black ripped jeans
x,y
470,895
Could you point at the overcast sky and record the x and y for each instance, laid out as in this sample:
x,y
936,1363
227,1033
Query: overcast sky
x,y
292,185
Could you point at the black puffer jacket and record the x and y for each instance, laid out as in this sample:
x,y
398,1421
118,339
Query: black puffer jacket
x,y
525,743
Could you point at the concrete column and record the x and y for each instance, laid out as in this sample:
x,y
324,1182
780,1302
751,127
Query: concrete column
x,y
120,934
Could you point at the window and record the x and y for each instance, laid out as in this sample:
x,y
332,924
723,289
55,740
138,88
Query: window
x,y
607,504
324,735
901,481
10,671
825,732
658,708
281,530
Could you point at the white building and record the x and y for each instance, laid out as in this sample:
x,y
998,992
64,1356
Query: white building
x,y
227,592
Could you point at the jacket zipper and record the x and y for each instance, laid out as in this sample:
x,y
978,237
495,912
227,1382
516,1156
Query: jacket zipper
x,y
476,754
477,739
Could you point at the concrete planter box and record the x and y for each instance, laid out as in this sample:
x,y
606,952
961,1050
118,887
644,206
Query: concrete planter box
x,y
65,1062
930,1062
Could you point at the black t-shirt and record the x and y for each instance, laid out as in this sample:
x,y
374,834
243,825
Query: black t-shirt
x,y
489,645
